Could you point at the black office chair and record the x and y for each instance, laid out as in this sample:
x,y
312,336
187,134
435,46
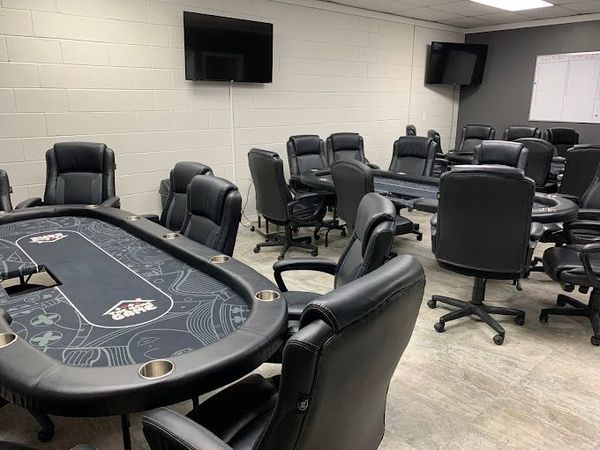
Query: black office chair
x,y
515,132
276,203
440,165
413,155
580,168
483,229
214,209
562,139
353,180
334,380
585,229
346,146
471,137
576,265
5,191
433,134
175,204
411,130
78,173
539,161
368,248
504,153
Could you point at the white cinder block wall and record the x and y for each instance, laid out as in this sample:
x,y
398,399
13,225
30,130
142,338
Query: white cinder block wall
x,y
112,71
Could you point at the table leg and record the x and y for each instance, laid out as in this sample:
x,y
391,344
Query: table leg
x,y
47,431
125,424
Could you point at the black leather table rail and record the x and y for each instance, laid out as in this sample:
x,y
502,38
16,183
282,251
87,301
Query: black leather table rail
x,y
421,193
139,318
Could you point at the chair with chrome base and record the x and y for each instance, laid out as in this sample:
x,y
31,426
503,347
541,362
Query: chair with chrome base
x,y
334,379
466,238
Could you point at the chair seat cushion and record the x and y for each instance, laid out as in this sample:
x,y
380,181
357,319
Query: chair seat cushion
x,y
296,301
303,211
404,226
564,264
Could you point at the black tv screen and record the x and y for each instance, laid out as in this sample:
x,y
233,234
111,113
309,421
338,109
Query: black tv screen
x,y
227,49
452,63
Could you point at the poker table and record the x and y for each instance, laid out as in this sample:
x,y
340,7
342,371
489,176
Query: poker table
x,y
138,317
421,193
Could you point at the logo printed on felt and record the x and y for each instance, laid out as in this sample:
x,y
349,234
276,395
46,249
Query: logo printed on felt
x,y
48,238
130,308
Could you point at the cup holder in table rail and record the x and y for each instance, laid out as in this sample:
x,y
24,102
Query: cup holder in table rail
x,y
158,368
132,218
93,206
6,339
219,259
170,236
267,295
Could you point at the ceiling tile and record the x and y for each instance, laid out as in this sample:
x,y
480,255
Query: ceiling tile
x,y
548,13
466,22
466,8
434,15
587,7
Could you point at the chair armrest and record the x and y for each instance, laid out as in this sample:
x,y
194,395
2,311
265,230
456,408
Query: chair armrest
x,y
573,198
318,206
35,201
441,161
373,166
582,224
585,254
151,217
169,429
588,214
314,264
112,202
323,172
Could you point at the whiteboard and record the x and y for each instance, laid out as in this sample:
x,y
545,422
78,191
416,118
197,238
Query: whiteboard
x,y
566,88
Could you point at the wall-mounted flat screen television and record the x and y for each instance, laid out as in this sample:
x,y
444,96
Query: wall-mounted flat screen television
x,y
453,63
227,49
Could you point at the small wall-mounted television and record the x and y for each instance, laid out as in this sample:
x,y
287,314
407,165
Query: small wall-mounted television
x,y
453,63
226,49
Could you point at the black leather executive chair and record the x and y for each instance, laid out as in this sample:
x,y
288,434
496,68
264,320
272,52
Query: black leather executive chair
x,y
305,153
585,229
562,139
440,164
432,134
5,191
576,265
539,161
504,153
78,173
368,248
471,137
515,132
413,155
276,203
411,130
346,146
353,180
580,168
173,213
214,209
335,376
467,239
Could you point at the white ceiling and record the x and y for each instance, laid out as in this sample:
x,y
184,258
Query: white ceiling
x,y
468,14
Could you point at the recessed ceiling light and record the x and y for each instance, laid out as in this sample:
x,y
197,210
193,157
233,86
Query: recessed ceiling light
x,y
515,5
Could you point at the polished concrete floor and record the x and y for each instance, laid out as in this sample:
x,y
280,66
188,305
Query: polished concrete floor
x,y
455,390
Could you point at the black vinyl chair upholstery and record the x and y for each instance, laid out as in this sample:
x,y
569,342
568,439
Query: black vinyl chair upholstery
x,y
562,139
5,191
306,152
504,153
437,138
471,137
334,379
515,132
173,213
413,155
586,228
79,173
580,168
214,209
411,130
368,248
346,146
467,238
539,161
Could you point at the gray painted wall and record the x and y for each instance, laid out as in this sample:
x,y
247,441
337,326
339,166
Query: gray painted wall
x,y
504,96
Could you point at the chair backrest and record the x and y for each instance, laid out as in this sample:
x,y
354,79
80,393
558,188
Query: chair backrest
x,y
272,192
371,241
591,197
352,180
214,209
79,173
484,221
515,132
345,146
472,136
306,152
580,167
181,175
411,130
432,134
413,155
504,153
562,139
337,368
5,191
539,159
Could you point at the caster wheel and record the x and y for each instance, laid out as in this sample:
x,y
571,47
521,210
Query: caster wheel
x,y
252,228
498,339
314,252
520,320
439,327
344,234
419,238
595,341
317,237
543,318
560,302
280,257
45,436
432,304
256,249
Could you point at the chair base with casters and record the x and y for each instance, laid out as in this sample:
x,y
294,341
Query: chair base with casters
x,y
478,308
287,241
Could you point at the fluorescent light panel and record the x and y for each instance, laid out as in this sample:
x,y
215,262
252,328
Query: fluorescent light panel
x,y
515,5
